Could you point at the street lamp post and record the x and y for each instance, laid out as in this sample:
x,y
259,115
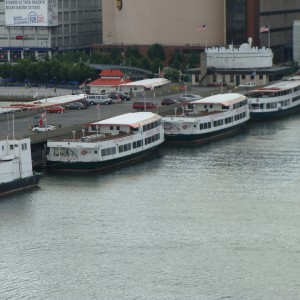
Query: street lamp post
x,y
84,87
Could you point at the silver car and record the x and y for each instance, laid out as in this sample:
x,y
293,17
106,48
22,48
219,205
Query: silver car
x,y
189,97
98,99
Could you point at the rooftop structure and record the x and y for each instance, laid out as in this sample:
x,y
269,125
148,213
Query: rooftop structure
x,y
244,56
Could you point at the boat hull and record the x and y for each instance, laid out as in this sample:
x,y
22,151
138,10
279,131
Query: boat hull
x,y
19,185
101,166
199,139
263,116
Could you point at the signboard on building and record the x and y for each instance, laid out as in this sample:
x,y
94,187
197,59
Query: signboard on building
x,y
31,13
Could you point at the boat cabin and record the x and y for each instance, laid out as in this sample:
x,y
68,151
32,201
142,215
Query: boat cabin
x,y
218,103
126,123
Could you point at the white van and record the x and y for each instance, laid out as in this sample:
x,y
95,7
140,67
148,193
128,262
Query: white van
x,y
98,99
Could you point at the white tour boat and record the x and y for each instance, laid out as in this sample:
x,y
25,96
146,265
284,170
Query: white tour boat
x,y
16,171
276,100
110,143
207,119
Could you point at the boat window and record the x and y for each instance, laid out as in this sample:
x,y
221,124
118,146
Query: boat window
x,y
254,106
152,139
205,125
137,144
296,98
11,147
218,123
123,148
108,151
297,88
271,105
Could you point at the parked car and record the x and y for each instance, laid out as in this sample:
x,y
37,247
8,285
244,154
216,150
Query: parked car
x,y
55,109
75,105
98,99
119,95
141,105
247,84
43,128
168,101
84,102
189,97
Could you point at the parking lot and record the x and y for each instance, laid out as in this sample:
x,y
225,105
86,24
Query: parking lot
x,y
93,113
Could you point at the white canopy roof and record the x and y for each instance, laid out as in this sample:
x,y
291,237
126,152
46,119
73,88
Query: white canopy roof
x,y
135,119
148,83
225,99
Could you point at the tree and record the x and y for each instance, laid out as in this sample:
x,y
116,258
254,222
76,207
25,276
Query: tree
x,y
171,74
5,70
155,66
144,63
156,51
133,51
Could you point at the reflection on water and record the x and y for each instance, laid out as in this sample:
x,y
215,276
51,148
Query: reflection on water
x,y
218,221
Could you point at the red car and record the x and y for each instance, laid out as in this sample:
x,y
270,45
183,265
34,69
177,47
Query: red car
x,y
143,105
56,109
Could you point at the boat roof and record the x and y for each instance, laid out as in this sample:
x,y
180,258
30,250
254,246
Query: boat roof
x,y
279,86
225,99
135,119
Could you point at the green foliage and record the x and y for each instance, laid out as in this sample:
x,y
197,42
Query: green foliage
x,y
74,65
60,68
156,51
294,65
5,70
155,66
133,51
171,74
144,63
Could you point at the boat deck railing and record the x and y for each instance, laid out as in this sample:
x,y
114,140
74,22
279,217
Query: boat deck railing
x,y
90,137
192,114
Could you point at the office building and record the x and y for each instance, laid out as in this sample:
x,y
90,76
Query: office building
x,y
38,27
193,25
296,41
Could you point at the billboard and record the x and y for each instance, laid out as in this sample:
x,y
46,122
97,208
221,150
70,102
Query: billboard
x,y
31,13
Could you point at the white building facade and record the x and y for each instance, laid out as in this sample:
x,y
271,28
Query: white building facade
x,y
243,57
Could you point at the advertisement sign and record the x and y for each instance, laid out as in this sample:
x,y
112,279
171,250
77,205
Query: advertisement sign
x,y
31,13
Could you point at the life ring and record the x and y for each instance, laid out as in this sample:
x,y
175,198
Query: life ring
x,y
83,152
257,100
184,126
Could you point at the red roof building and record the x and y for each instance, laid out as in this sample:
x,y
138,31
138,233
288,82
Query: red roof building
x,y
108,81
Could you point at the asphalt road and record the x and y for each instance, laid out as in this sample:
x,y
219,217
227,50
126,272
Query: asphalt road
x,y
88,115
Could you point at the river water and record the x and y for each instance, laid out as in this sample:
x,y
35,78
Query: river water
x,y
220,221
